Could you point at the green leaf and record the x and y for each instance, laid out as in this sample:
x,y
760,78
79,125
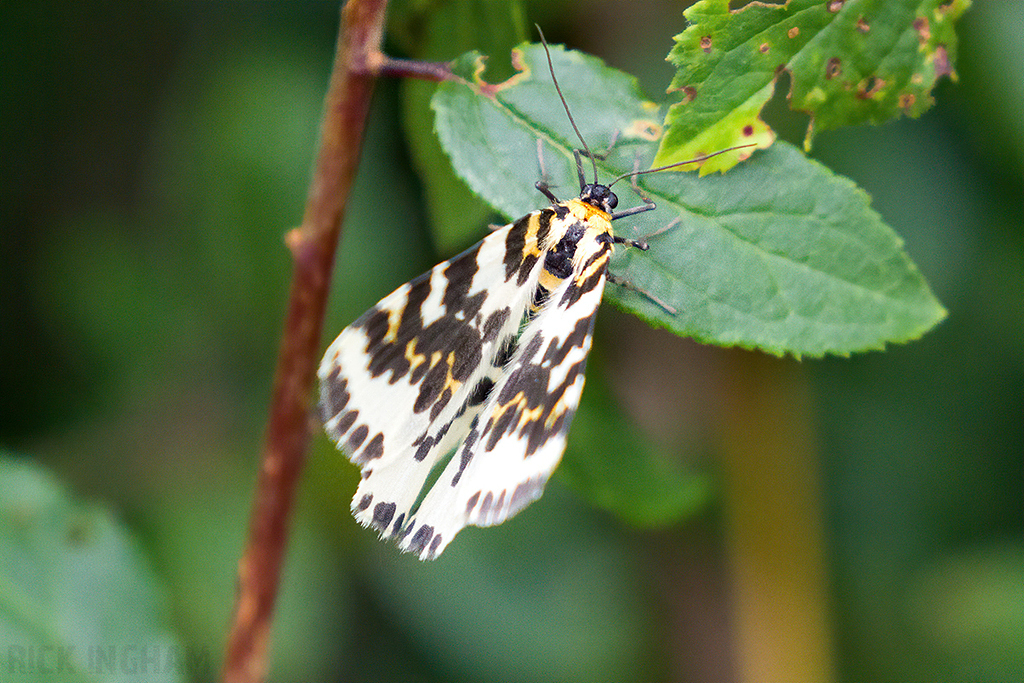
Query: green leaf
x,y
77,601
443,30
779,254
851,62
782,255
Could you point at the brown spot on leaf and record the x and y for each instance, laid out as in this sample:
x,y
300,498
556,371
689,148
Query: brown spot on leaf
x,y
705,43
924,33
833,68
869,87
907,100
793,32
863,25
764,48
941,62
835,5
748,130
491,89
689,93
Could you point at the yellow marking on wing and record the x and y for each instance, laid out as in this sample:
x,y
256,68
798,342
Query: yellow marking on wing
x,y
548,280
557,411
529,416
449,381
530,246
394,320
415,359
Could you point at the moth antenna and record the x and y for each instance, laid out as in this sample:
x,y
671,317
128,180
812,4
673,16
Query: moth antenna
x,y
694,160
558,89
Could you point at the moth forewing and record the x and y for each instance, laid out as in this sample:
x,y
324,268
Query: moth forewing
x,y
395,380
518,439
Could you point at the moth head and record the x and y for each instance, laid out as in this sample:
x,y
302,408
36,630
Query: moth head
x,y
599,196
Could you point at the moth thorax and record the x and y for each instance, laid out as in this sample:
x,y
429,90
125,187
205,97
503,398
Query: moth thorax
x,y
599,196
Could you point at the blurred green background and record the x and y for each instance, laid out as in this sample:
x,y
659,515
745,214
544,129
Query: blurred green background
x,y
154,155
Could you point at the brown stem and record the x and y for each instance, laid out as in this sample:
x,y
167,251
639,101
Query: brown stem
x,y
427,71
312,246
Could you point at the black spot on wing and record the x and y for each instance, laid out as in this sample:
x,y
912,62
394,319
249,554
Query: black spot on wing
x,y
423,448
486,503
334,394
382,514
440,403
578,288
537,432
482,391
558,260
532,347
364,502
346,422
496,321
527,267
466,449
515,245
425,443
459,273
421,538
558,349
504,355
373,450
358,437
396,529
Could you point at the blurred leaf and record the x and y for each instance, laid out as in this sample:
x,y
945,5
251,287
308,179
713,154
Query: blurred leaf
x,y
640,484
851,61
457,216
77,600
781,255
198,528
551,595
968,613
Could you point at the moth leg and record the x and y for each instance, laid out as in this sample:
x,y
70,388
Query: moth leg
x,y
675,221
639,244
626,284
642,244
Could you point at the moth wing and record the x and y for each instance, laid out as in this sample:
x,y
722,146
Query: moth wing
x,y
517,440
400,385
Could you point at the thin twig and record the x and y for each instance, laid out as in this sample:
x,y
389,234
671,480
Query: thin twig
x,y
410,68
313,246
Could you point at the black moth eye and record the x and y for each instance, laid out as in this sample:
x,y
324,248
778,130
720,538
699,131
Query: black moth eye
x,y
613,201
